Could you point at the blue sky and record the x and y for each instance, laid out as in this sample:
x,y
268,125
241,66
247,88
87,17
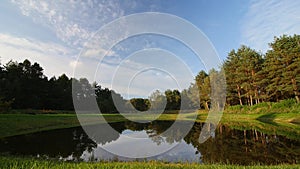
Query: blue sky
x,y
53,33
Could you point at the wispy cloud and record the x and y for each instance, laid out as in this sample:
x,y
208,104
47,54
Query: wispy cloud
x,y
268,18
51,56
34,45
73,21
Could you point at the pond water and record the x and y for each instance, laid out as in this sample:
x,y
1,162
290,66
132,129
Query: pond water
x,y
226,145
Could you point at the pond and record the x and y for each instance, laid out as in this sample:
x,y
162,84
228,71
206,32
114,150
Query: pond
x,y
226,145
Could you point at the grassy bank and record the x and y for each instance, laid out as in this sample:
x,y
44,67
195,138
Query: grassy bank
x,y
19,163
280,118
279,123
17,124
284,106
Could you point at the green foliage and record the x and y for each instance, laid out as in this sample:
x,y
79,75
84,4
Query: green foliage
x,y
252,79
237,109
261,105
289,103
140,104
282,68
24,86
28,87
19,163
5,106
173,99
296,109
105,99
241,68
284,106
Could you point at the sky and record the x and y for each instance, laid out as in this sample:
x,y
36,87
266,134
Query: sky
x,y
57,33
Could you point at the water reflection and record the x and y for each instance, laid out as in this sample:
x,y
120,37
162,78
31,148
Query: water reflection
x,y
225,145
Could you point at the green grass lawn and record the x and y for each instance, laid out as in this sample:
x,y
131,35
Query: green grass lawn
x,y
16,124
20,163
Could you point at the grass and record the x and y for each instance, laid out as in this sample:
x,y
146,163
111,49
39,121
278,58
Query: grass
x,y
20,123
19,163
284,106
17,124
25,121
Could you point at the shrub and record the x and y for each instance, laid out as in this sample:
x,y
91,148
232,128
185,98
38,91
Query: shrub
x,y
261,105
237,109
5,106
289,103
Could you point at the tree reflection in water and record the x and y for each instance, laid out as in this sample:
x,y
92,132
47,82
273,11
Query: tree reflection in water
x,y
226,146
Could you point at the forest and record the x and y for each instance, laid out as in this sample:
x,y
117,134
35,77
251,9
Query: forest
x,y
252,77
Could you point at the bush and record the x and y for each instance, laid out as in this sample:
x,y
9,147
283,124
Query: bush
x,y
5,106
237,109
289,103
295,109
261,105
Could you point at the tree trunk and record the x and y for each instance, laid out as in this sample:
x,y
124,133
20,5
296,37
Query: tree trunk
x,y
248,99
297,98
239,94
295,88
245,137
256,95
206,106
256,135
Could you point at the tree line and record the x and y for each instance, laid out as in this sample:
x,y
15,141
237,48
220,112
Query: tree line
x,y
251,78
24,86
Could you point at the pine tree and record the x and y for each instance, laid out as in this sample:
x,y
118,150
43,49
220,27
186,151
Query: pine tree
x,y
234,90
283,67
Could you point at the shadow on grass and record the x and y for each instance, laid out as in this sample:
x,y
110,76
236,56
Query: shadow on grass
x,y
268,118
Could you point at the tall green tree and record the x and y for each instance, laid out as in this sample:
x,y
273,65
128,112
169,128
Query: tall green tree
x,y
251,63
283,66
234,82
24,84
203,85
173,99
241,68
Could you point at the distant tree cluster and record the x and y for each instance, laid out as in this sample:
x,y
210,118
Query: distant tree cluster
x,y
139,104
24,86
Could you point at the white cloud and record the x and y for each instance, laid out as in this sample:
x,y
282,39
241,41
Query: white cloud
x,y
97,52
266,19
74,22
52,57
74,64
34,45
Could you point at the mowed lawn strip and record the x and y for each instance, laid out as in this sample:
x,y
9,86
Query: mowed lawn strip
x,y
20,163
